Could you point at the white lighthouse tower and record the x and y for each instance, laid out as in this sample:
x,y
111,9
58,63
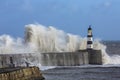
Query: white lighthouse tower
x,y
89,39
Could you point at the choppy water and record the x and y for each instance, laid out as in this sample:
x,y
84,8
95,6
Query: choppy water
x,y
113,47
83,73
88,72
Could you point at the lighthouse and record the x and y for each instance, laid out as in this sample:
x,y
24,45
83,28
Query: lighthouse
x,y
89,39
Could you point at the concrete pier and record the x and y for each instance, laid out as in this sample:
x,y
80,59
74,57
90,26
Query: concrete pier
x,y
65,59
21,73
81,57
95,57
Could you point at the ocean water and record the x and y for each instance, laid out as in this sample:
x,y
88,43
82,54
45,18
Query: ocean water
x,y
113,47
88,72
83,73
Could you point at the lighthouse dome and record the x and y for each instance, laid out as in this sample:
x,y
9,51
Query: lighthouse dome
x,y
90,28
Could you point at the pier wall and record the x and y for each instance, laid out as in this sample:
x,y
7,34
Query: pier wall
x,y
65,59
95,57
21,73
81,57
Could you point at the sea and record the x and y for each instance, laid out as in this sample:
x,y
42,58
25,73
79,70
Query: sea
x,y
88,72
43,39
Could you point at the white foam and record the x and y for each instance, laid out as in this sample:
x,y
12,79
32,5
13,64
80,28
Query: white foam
x,y
39,38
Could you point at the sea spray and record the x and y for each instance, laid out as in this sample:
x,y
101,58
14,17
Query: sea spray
x,y
39,39
11,45
99,46
50,39
59,41
106,58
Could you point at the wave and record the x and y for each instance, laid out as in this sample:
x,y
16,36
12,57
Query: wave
x,y
39,39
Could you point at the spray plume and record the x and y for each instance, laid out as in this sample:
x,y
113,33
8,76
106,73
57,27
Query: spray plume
x,y
39,38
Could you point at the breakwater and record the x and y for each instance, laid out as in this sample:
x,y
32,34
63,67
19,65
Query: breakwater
x,y
81,57
65,59
21,73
